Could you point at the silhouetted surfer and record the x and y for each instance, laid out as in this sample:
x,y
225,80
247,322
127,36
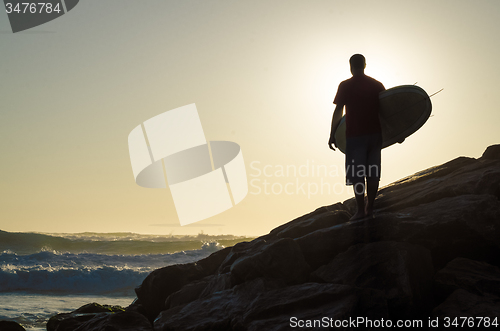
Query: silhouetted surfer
x,y
359,95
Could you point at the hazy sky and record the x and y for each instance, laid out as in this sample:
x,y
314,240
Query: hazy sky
x,y
262,74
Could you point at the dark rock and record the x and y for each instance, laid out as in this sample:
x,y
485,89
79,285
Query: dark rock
x,y
279,260
71,321
479,278
241,249
132,321
463,226
161,283
324,303
96,317
317,222
492,153
98,308
68,322
322,217
213,262
318,219
187,293
462,303
264,305
137,307
10,326
321,246
217,283
402,271
216,311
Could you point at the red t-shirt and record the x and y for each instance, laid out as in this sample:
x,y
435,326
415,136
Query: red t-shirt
x,y
359,94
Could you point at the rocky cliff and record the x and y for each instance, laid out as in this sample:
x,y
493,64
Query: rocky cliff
x,y
431,251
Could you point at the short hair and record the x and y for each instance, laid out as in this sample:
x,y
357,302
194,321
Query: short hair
x,y
357,61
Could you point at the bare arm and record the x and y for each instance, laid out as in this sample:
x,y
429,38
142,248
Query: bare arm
x,y
337,116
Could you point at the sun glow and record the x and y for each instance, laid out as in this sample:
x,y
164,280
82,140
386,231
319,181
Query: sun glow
x,y
384,72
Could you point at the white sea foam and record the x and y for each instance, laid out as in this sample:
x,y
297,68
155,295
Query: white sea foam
x,y
54,272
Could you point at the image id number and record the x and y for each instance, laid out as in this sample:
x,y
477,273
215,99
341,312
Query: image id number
x,y
32,7
471,322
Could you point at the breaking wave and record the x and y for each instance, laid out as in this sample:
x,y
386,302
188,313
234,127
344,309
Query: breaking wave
x,y
93,263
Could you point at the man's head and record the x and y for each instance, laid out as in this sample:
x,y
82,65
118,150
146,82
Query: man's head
x,y
358,64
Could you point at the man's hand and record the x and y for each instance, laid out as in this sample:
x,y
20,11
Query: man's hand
x,y
332,142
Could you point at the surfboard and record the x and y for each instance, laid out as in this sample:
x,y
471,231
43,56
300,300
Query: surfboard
x,y
403,110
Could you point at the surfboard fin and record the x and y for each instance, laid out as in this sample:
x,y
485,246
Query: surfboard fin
x,y
436,93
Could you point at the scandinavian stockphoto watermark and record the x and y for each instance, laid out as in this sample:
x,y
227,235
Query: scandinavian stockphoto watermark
x,y
205,178
26,14
308,178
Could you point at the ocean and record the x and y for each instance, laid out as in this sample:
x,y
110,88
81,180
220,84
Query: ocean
x,y
45,274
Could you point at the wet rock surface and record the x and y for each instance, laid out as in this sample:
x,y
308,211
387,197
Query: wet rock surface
x,y
94,316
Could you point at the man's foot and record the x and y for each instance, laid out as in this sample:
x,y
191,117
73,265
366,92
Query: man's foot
x,y
359,215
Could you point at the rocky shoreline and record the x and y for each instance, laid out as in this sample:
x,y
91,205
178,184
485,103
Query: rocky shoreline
x,y
432,253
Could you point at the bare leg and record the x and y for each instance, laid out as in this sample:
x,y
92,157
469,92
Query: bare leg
x,y
371,192
359,194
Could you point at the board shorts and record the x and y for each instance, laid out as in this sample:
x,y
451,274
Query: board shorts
x,y
362,158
